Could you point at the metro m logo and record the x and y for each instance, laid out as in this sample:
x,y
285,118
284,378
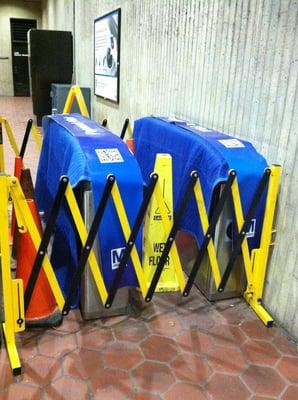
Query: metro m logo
x,y
116,255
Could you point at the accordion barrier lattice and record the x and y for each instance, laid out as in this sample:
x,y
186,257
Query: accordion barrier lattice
x,y
255,262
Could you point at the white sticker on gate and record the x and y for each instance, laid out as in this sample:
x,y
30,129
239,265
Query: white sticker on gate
x,y
109,155
116,255
231,143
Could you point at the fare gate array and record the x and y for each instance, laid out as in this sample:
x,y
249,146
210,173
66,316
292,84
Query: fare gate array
x,y
16,304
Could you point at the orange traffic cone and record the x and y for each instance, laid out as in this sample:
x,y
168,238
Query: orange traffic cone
x,y
28,190
18,165
130,144
42,310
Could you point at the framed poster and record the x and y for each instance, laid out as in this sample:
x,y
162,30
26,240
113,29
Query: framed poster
x,y
107,55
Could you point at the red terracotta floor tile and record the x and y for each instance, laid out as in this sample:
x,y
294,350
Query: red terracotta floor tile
x,y
255,329
122,355
263,398
6,377
55,344
28,349
227,387
228,335
191,368
288,367
233,311
227,359
182,391
181,304
94,337
159,348
135,331
285,346
144,396
72,323
82,363
203,318
165,324
41,370
264,380
22,392
3,355
291,393
194,341
113,321
153,377
109,384
261,352
67,388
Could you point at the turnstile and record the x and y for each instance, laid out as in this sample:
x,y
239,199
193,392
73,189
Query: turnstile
x,y
90,304
212,154
188,250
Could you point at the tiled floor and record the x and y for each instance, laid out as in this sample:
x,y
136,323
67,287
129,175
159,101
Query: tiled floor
x,y
172,349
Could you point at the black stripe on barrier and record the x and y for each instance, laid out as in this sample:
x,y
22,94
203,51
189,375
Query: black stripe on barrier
x,y
26,137
132,238
245,227
210,231
1,133
45,240
124,128
104,122
76,280
177,220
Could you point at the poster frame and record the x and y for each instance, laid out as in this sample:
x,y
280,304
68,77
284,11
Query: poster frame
x,y
118,39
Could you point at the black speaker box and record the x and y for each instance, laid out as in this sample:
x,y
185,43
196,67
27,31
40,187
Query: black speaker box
x,y
50,61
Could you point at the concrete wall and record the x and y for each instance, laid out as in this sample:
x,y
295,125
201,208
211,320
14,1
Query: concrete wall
x,y
57,14
13,9
230,65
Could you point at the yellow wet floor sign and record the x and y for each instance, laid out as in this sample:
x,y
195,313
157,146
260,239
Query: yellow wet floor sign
x,y
154,237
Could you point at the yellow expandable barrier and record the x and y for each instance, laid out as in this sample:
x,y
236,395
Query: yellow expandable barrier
x,y
12,290
75,93
4,123
161,206
255,284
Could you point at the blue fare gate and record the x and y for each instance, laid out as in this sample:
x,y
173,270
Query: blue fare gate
x,y
85,151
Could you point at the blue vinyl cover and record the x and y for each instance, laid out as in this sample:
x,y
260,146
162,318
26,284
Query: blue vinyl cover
x,y
207,151
85,151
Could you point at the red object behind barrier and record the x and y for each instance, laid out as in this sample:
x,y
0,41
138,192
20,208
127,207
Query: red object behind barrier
x,y
42,304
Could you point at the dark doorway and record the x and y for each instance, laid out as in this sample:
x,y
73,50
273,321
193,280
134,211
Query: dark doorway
x,y
19,47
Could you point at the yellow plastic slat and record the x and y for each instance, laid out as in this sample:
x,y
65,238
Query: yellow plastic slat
x,y
75,92
7,289
11,137
82,231
36,137
20,204
205,224
126,231
240,221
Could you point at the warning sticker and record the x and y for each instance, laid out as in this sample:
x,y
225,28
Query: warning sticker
x,y
154,258
109,155
231,143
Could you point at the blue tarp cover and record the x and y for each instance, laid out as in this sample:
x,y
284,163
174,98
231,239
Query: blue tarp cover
x,y
85,151
207,151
